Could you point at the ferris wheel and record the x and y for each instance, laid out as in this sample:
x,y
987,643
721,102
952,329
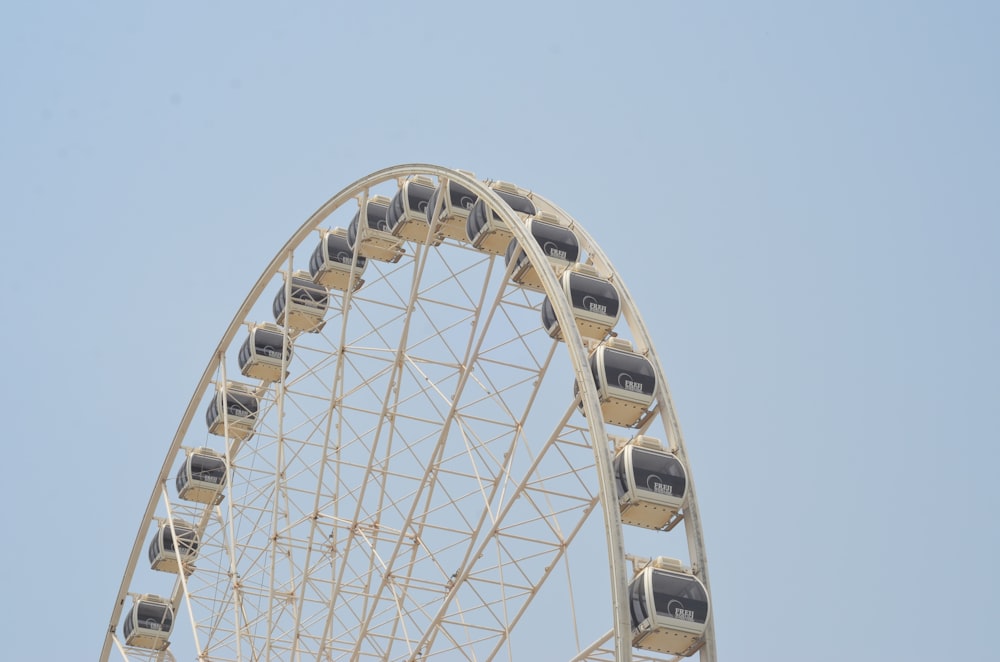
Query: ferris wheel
x,y
436,428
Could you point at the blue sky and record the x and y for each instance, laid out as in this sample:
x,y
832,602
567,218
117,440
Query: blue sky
x,y
802,197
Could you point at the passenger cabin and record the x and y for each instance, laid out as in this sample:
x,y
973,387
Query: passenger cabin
x,y
148,623
559,244
651,482
233,411
486,230
174,549
306,305
265,353
408,211
669,609
452,202
202,476
594,300
332,264
370,230
625,380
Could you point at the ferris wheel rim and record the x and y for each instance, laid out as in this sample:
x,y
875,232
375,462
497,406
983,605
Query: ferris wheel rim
x,y
575,345
692,513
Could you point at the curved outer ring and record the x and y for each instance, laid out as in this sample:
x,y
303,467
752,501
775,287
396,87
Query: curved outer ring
x,y
692,516
581,369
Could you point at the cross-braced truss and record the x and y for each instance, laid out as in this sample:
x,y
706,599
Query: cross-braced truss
x,y
420,484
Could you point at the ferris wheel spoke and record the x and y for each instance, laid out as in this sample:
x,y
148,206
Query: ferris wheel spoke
x,y
425,487
516,523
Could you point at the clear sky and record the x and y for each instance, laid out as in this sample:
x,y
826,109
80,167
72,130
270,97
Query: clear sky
x,y
803,197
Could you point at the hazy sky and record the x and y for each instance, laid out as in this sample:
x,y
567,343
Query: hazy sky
x,y
803,198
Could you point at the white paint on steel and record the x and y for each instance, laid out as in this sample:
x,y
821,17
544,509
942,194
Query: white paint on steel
x,y
619,639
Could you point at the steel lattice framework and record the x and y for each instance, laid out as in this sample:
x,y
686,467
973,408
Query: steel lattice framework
x,y
423,482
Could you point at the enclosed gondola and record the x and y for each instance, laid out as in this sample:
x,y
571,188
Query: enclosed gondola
x,y
652,484
202,476
669,609
595,302
173,549
452,203
626,382
265,353
148,623
558,243
233,411
407,217
332,264
370,230
486,230
306,303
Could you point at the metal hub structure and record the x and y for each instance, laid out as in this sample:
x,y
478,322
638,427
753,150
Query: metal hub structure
x,y
422,481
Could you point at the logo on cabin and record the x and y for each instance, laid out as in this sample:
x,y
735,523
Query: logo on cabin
x,y
591,304
553,250
676,609
466,201
343,258
655,484
626,381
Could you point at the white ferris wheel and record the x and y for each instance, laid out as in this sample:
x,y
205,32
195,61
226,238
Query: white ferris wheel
x,y
437,428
